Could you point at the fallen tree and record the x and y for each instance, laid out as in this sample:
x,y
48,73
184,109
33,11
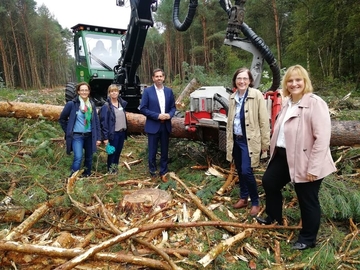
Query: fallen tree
x,y
343,132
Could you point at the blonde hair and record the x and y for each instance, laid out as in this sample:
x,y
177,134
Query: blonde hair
x,y
112,87
301,72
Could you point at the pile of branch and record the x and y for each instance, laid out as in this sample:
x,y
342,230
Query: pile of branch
x,y
149,228
163,224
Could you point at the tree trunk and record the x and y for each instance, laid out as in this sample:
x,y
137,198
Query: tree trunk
x,y
144,200
19,54
277,31
36,83
168,55
6,64
343,132
185,93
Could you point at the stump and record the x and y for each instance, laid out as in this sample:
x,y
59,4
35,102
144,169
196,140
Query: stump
x,y
144,200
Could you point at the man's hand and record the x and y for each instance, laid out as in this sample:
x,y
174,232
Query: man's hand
x,y
164,116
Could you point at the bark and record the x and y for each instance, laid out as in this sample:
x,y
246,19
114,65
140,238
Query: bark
x,y
19,54
12,214
344,133
224,246
200,205
230,180
6,64
32,219
158,251
205,41
70,253
185,93
168,54
30,49
148,227
277,31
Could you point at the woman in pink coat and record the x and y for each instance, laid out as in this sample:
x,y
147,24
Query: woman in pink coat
x,y
299,153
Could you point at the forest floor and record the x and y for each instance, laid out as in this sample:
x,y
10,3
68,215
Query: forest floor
x,y
128,221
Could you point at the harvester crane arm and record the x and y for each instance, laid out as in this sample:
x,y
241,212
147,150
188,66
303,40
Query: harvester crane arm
x,y
125,72
236,26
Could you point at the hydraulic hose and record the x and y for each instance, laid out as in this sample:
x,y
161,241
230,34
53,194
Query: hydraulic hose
x,y
265,52
223,103
189,17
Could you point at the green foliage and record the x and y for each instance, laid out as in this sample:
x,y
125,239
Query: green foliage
x,y
321,259
113,196
339,199
84,190
30,199
211,185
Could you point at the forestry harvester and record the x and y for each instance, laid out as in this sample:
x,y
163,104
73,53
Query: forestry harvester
x,y
208,104
97,51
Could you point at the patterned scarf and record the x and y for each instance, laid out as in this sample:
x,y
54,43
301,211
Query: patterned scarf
x,y
86,108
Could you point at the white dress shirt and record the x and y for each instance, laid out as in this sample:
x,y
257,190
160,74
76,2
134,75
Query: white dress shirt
x,y
161,97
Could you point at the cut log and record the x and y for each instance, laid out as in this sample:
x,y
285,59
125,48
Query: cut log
x,y
185,93
143,200
12,214
342,133
27,254
223,246
64,240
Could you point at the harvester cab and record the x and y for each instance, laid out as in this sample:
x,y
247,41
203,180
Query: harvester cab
x,y
97,51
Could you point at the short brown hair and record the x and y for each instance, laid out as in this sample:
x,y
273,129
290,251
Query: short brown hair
x,y
157,70
243,69
80,84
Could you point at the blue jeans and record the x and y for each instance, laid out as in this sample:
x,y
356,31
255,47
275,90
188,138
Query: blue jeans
x,y
79,143
118,143
247,182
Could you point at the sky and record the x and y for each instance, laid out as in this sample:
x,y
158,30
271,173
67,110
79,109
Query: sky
x,y
96,12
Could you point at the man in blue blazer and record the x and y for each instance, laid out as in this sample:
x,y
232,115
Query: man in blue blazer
x,y
158,105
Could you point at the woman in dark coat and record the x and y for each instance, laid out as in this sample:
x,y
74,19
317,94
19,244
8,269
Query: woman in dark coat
x,y
80,122
113,126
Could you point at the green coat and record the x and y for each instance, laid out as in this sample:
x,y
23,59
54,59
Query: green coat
x,y
257,125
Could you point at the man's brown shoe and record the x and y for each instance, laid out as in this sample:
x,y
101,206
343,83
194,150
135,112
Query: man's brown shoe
x,y
241,204
254,210
164,178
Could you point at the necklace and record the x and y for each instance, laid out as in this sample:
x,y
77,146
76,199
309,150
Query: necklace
x,y
295,102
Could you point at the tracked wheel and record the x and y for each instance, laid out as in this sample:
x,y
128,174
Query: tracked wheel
x,y
70,91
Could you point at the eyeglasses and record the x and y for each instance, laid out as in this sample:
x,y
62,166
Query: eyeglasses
x,y
242,79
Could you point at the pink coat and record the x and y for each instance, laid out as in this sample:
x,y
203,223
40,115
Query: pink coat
x,y
307,136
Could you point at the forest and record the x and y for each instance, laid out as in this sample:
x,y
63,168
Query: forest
x,y
321,35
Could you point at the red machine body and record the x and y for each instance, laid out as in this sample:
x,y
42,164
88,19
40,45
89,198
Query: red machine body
x,y
209,107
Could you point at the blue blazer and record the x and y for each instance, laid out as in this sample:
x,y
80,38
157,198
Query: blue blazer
x,y
151,109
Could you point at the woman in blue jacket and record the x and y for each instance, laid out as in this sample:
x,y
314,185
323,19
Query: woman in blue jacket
x,y
80,122
113,126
